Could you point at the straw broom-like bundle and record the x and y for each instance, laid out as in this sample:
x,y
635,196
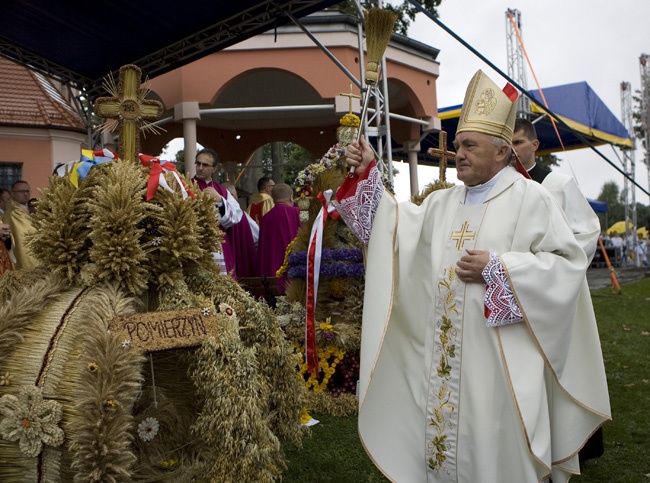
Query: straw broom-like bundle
x,y
379,24
379,28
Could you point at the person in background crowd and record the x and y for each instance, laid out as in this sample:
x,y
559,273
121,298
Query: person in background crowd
x,y
5,198
278,228
242,237
229,211
18,218
262,201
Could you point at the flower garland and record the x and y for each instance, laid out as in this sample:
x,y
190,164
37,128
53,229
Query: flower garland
x,y
340,255
337,263
331,270
306,177
285,264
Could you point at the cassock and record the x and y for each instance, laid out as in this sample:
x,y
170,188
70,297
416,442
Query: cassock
x,y
537,173
20,223
278,228
443,397
229,215
243,237
261,204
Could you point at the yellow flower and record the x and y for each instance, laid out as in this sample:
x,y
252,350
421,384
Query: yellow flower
x,y
305,417
111,404
92,367
350,120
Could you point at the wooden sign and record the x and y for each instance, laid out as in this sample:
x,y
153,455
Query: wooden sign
x,y
156,331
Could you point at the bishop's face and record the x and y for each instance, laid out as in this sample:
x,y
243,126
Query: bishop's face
x,y
478,159
205,167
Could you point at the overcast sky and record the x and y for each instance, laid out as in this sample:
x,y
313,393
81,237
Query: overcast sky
x,y
566,41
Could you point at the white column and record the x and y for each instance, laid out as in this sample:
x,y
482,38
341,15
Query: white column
x,y
413,148
188,112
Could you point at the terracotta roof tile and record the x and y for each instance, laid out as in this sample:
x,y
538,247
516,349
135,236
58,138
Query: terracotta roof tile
x,y
29,99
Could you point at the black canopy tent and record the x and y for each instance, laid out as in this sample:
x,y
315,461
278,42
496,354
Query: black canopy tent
x,y
79,43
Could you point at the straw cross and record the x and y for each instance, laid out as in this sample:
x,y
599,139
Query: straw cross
x,y
128,109
443,153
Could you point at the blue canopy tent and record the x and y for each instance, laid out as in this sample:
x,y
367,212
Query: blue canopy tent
x,y
598,206
576,104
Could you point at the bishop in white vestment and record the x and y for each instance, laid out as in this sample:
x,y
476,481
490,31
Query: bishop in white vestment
x,y
492,382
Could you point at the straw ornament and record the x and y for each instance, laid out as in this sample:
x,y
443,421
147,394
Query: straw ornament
x,y
379,28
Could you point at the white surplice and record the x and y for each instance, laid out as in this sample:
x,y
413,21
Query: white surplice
x,y
443,397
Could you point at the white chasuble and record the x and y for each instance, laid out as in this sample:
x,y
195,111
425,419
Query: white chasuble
x,y
443,397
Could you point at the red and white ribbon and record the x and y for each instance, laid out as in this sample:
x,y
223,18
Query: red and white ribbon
x,y
157,176
313,272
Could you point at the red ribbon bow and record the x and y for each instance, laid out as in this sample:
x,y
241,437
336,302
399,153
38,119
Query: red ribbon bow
x,y
157,168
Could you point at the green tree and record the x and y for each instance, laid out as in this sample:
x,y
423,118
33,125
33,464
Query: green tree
x,y
179,160
611,194
547,161
405,11
291,158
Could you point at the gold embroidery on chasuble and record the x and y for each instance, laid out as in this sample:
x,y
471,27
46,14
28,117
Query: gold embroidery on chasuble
x,y
445,343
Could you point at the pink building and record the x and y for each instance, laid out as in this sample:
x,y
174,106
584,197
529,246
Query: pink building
x,y
278,86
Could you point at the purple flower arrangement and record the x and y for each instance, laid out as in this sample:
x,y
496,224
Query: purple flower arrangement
x,y
335,263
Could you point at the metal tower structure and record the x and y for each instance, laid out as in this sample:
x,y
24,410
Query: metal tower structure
x,y
516,68
377,125
629,190
644,63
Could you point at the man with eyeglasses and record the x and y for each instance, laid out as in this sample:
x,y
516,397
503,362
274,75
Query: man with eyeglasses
x,y
20,224
229,212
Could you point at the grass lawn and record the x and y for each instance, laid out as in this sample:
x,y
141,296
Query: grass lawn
x,y
333,452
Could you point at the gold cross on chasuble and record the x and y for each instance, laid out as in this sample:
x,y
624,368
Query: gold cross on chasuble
x,y
442,153
463,235
128,109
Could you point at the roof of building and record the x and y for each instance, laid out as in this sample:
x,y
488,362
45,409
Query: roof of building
x,y
28,99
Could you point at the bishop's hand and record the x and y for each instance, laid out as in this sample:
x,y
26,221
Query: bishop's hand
x,y
358,155
470,266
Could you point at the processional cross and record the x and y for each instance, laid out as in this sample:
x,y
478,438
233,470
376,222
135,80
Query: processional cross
x,y
350,96
127,108
442,153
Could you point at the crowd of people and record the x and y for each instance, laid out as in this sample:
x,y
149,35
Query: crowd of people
x,y
629,251
255,240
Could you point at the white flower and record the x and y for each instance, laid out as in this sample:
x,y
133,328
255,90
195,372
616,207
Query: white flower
x,y
30,420
5,379
205,311
148,429
156,241
126,343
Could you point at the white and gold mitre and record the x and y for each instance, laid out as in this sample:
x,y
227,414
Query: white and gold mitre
x,y
488,109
